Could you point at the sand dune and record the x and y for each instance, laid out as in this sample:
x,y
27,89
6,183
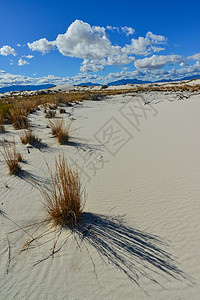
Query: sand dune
x,y
139,235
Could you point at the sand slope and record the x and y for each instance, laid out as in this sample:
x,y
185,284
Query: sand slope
x,y
147,171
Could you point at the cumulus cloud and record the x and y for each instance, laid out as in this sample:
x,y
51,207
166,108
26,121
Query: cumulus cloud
x,y
157,61
158,39
22,62
84,41
7,50
145,46
128,30
91,44
7,79
42,45
194,57
91,66
155,74
80,78
95,65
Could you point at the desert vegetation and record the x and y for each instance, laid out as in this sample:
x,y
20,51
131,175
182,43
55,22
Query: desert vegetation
x,y
15,108
60,130
28,137
2,128
11,157
18,117
64,198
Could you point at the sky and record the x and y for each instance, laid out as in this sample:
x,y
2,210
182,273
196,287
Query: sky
x,y
72,42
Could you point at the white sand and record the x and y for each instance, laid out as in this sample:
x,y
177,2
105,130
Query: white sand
x,y
150,175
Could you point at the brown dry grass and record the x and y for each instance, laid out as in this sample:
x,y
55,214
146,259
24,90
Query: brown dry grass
x,y
28,137
2,128
14,109
18,118
63,198
11,157
60,131
50,114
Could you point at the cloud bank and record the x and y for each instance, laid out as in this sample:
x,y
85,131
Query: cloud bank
x,y
138,58
92,44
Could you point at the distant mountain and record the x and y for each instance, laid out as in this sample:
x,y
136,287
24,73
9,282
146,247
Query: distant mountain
x,y
136,81
19,88
88,84
127,81
182,79
190,77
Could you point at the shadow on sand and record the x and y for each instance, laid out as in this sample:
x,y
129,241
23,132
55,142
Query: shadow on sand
x,y
32,179
134,252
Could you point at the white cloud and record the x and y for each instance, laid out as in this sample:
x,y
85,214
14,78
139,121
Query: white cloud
x,y
95,65
41,45
157,49
91,44
28,56
123,29
194,57
144,74
128,30
7,79
112,28
22,62
7,50
84,41
82,77
184,63
91,66
157,61
157,39
145,46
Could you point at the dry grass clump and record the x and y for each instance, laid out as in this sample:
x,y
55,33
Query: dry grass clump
x,y
28,137
60,131
50,114
62,110
19,157
11,157
96,97
64,200
2,128
18,118
30,106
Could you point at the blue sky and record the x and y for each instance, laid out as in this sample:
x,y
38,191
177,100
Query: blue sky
x,y
63,42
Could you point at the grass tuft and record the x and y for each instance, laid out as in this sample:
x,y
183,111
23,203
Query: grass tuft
x,y
18,118
11,157
50,114
60,131
63,199
28,137
2,128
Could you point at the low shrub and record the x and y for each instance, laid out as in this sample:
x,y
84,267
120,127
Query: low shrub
x,y
64,198
11,157
28,137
